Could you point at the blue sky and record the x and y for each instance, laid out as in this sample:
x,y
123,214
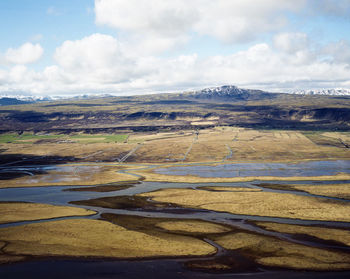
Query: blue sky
x,y
138,46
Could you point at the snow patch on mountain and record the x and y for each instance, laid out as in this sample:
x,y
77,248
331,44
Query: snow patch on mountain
x,y
223,90
331,92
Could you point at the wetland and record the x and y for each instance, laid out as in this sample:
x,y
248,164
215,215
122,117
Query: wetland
x,y
195,228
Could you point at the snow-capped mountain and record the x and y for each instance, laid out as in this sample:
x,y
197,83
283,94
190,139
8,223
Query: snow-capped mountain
x,y
8,100
227,92
31,98
332,92
27,99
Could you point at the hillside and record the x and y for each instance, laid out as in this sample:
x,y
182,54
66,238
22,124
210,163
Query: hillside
x,y
225,106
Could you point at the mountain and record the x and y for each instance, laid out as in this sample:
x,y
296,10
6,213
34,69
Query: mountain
x,y
229,92
224,93
6,101
329,92
27,98
218,106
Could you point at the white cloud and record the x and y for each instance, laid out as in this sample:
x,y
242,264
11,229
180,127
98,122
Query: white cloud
x,y
100,63
228,21
162,17
337,8
243,20
339,51
36,38
261,67
291,42
97,57
52,11
25,54
296,47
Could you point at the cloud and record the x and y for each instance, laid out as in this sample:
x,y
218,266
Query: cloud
x,y
296,47
101,64
229,21
98,57
339,52
161,17
52,11
36,38
291,42
336,8
262,67
244,20
25,54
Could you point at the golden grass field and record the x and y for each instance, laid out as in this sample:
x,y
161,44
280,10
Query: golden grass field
x,y
256,203
274,252
88,238
17,211
331,190
192,227
211,145
338,235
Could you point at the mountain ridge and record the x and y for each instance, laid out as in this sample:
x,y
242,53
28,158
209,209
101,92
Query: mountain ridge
x,y
221,92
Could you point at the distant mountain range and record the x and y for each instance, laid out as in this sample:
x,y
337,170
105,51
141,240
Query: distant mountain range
x,y
331,92
6,101
9,100
226,92
230,90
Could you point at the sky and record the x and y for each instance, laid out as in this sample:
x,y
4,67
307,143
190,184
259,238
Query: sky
x,y
123,47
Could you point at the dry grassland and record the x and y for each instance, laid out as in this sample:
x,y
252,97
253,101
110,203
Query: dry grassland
x,y
338,135
251,145
16,211
192,226
88,152
338,235
256,203
332,190
210,145
271,251
77,238
164,149
144,137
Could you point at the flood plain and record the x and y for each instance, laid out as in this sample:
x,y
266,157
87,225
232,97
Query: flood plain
x,y
134,209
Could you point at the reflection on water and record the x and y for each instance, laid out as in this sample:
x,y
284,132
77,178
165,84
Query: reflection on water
x,y
313,168
52,174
